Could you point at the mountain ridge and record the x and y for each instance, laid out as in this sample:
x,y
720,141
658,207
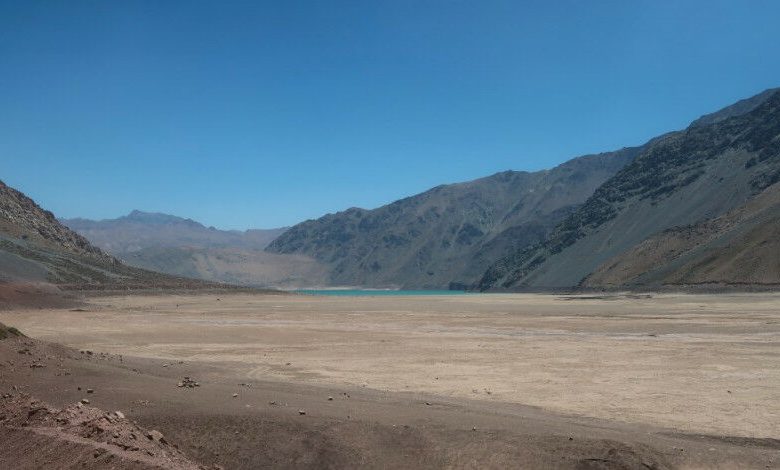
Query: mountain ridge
x,y
446,236
133,231
184,247
686,177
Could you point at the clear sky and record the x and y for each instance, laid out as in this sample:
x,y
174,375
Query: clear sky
x,y
263,114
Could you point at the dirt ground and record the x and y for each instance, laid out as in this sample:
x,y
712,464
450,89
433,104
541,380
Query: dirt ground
x,y
461,381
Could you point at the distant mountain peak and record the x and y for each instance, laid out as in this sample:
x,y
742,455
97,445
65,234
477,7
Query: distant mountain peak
x,y
158,218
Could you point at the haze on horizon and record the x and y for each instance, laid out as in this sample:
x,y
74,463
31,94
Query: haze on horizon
x,y
264,114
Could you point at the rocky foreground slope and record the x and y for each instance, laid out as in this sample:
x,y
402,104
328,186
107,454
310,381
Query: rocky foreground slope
x,y
37,435
697,206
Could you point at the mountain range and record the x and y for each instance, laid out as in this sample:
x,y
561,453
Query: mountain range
x,y
184,247
448,236
36,249
139,230
695,207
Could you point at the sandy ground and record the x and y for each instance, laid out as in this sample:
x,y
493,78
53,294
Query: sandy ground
x,y
424,382
697,363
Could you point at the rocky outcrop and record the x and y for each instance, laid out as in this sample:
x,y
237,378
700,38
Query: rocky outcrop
x,y
21,217
79,436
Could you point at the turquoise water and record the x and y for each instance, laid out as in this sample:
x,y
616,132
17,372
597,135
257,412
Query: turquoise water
x,y
376,292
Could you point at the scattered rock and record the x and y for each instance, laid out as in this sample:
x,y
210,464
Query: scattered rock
x,y
330,398
235,395
85,401
188,383
301,412
156,436
89,390
119,414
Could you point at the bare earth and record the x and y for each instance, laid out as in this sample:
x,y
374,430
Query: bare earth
x,y
661,372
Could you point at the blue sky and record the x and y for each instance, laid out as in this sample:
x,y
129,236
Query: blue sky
x,y
263,114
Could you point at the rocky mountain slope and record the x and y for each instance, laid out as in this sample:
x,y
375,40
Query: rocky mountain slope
x,y
184,247
448,236
22,218
741,247
693,207
36,248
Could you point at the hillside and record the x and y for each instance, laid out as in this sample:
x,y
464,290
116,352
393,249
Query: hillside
x,y
687,179
740,247
36,248
448,236
21,218
184,247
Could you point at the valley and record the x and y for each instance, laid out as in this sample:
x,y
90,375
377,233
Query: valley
x,y
667,380
389,235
